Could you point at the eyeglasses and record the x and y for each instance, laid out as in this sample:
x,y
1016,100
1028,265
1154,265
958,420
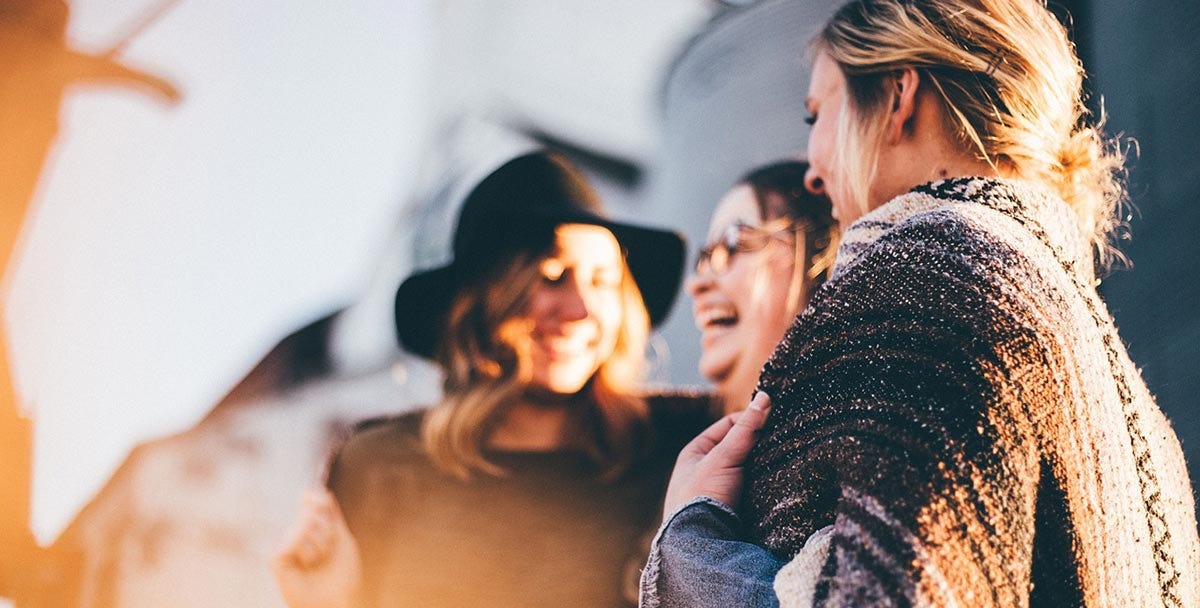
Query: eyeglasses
x,y
740,237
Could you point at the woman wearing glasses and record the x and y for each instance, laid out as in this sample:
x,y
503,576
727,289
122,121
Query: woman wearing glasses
x,y
771,244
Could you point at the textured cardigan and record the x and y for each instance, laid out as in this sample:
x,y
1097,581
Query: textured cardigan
x,y
958,419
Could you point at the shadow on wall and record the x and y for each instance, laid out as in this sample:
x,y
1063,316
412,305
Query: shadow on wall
x,y
36,70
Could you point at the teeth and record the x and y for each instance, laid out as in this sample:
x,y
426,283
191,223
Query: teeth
x,y
715,316
566,345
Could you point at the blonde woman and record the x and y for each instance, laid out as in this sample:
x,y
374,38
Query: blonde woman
x,y
771,244
536,478
955,420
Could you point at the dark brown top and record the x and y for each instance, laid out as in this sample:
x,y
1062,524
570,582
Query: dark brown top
x,y
547,534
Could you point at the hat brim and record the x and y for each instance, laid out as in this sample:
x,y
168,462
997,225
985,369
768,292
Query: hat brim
x,y
422,302
655,258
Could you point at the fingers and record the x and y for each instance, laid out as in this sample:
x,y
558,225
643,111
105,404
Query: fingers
x,y
740,438
711,465
742,425
313,537
711,436
321,502
755,415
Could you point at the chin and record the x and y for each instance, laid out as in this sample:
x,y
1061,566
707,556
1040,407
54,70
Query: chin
x,y
714,371
564,389
564,381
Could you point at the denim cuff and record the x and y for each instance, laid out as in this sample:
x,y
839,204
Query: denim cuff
x,y
648,589
698,558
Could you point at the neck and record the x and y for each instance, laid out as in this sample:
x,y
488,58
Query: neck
x,y
535,424
954,167
945,168
736,389
928,150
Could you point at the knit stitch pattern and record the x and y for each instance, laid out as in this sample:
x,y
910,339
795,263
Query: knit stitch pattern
x,y
957,405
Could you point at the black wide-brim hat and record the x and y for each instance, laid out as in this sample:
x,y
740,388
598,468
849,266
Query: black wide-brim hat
x,y
515,209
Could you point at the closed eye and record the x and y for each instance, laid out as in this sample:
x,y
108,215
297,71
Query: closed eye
x,y
552,271
606,280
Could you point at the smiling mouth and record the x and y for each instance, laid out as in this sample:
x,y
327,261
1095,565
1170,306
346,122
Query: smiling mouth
x,y
560,348
716,317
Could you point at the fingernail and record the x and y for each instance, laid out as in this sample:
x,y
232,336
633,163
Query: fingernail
x,y
760,402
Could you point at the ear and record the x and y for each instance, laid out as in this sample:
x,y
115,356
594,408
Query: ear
x,y
904,103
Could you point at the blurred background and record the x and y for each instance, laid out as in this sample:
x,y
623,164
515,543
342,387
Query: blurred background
x,y
209,205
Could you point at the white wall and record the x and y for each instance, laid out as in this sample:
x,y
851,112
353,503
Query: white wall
x,y
172,246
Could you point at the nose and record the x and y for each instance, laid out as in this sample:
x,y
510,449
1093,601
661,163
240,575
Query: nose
x,y
813,182
572,302
698,283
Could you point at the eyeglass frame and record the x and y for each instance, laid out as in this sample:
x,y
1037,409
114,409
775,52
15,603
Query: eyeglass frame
x,y
731,242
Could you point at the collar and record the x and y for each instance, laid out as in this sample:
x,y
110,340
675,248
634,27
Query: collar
x,y
1033,207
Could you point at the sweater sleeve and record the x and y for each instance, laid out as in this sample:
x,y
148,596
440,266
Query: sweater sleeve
x,y
898,427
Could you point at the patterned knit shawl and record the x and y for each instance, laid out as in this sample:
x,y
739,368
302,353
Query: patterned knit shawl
x,y
956,411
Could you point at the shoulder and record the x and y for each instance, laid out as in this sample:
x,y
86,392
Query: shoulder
x,y
382,441
986,206
948,234
989,224
955,243
932,281
378,462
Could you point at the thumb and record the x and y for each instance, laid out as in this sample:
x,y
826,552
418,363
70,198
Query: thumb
x,y
740,439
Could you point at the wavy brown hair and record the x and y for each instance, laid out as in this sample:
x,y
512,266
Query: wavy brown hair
x,y
485,358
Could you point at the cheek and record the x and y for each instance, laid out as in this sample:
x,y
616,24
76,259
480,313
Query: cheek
x,y
609,316
814,149
738,282
817,145
514,333
537,304
772,310
823,145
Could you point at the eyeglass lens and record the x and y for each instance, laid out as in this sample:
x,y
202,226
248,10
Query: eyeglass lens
x,y
716,256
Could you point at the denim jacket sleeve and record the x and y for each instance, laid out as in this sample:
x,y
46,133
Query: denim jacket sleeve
x,y
698,559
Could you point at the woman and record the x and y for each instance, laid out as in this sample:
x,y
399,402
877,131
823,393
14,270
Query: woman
x,y
536,478
955,420
771,244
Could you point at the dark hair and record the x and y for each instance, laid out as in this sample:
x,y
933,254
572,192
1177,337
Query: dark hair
x,y
779,191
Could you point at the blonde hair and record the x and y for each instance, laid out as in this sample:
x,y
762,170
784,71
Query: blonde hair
x,y
484,354
1011,84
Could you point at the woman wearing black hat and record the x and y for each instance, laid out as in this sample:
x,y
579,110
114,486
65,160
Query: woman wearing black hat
x,y
535,480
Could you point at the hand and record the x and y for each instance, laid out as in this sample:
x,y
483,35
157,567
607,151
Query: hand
x,y
711,464
318,566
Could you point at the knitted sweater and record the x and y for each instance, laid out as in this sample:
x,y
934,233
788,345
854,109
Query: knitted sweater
x,y
957,416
